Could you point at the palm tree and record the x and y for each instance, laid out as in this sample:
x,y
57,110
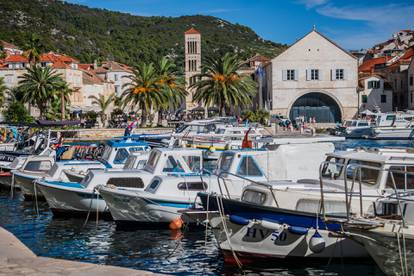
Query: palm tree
x,y
172,86
143,90
2,52
62,98
220,84
39,86
33,49
3,92
103,103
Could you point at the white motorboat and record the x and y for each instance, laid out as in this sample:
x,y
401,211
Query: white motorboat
x,y
214,134
70,198
285,216
355,129
393,126
79,198
115,155
160,202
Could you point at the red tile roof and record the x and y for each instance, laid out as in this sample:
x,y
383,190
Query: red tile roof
x,y
60,65
90,77
15,58
85,66
53,57
111,66
369,65
192,31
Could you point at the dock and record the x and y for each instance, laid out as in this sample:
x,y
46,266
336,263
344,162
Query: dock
x,y
17,259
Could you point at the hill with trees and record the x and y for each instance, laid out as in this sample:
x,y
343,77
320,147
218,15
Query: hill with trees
x,y
96,34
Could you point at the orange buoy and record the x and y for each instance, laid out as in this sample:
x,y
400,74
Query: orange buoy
x,y
176,224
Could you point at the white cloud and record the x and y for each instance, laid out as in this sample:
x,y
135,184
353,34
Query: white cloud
x,y
312,3
387,14
378,22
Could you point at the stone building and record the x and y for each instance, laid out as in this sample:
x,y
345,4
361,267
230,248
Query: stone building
x,y
312,78
376,93
410,82
192,48
116,73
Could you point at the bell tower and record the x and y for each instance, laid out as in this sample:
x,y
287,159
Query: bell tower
x,y
192,39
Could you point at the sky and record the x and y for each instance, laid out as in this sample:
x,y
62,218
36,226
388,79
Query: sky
x,y
354,24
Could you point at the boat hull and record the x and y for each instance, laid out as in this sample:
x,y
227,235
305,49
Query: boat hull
x,y
68,200
26,184
133,209
394,133
254,239
6,178
384,248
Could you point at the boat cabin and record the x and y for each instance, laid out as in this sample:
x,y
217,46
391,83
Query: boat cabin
x,y
174,161
376,166
116,152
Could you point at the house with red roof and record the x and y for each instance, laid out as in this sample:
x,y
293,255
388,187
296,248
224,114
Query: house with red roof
x,y
85,79
376,93
116,73
410,83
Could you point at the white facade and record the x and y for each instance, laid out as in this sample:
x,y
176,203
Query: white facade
x,y
410,82
314,64
192,63
118,79
375,95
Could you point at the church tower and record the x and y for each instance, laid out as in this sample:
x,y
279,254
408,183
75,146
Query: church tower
x,y
192,39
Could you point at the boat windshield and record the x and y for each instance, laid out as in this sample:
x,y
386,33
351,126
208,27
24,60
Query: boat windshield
x,y
225,162
181,128
403,178
53,170
368,175
334,168
130,162
152,161
193,162
107,153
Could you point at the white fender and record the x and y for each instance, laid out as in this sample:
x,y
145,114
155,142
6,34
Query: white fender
x,y
271,225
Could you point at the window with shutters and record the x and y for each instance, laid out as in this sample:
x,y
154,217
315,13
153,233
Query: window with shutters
x,y
374,84
290,75
314,74
339,74
364,98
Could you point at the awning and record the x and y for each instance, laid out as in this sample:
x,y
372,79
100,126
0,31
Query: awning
x,y
368,112
48,123
84,109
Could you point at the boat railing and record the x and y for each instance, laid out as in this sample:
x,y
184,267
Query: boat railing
x,y
356,179
223,175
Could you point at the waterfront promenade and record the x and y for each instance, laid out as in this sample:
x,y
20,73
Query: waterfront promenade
x,y
17,259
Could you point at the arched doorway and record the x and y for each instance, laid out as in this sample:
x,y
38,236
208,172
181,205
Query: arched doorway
x,y
319,105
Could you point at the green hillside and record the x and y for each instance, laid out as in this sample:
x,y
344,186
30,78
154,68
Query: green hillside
x,y
90,34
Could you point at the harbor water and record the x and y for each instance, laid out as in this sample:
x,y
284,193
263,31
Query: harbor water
x,y
164,251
